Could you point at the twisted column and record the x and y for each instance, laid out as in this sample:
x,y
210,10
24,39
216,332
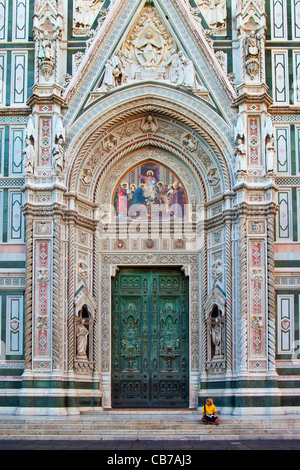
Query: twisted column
x,y
28,293
71,294
57,311
271,294
204,297
243,314
96,287
229,313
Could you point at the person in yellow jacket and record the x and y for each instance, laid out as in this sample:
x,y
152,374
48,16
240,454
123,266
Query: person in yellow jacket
x,y
209,412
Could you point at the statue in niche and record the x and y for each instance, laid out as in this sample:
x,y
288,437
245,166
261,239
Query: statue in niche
x,y
58,154
81,340
46,53
251,45
28,156
46,50
216,335
270,153
252,54
269,132
240,153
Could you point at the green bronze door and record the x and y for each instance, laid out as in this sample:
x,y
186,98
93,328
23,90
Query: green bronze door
x,y
150,338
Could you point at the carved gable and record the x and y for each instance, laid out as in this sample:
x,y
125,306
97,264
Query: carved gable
x,y
149,48
149,52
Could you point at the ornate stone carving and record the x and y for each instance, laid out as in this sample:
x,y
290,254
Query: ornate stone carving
x,y
110,142
46,55
149,52
82,271
47,31
217,270
84,15
252,54
29,149
269,132
190,142
149,124
213,177
240,150
86,176
81,341
251,26
214,13
58,150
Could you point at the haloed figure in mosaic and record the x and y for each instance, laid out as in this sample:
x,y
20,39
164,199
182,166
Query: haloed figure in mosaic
x,y
150,191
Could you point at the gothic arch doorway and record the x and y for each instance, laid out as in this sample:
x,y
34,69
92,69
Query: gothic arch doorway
x,y
150,347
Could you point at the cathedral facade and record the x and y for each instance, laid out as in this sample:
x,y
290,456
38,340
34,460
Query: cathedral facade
x,y
149,192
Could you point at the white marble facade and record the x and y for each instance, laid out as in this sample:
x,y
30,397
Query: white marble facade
x,y
146,89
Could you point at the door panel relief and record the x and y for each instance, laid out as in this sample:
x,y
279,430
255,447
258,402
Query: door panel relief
x,y
150,338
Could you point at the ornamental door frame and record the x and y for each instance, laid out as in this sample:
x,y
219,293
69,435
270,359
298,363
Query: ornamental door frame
x,y
109,264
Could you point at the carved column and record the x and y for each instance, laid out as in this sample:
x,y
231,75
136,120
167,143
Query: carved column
x,y
271,295
28,293
71,292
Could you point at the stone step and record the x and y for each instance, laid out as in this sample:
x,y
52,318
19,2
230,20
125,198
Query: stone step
x,y
153,426
147,424
149,436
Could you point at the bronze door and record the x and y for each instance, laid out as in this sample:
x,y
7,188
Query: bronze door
x,y
150,338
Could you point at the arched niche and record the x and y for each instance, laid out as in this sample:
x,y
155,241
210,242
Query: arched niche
x,y
85,311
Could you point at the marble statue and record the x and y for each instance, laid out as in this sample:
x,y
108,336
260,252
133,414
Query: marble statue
x,y
240,152
85,12
216,336
214,12
82,337
59,155
270,153
28,156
